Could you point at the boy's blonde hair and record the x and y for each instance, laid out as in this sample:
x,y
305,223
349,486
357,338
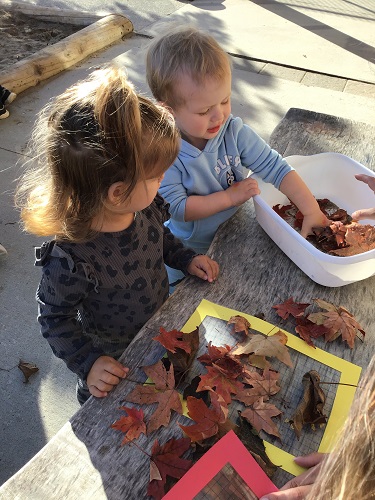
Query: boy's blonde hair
x,y
96,133
183,51
349,470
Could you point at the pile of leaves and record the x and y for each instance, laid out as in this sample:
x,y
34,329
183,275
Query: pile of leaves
x,y
242,373
343,237
330,322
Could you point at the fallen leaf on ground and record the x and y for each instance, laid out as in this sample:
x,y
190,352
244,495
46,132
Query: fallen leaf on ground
x,y
259,416
132,425
27,369
308,330
310,409
269,346
163,393
290,307
166,461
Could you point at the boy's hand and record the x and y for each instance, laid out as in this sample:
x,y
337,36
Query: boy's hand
x,y
315,219
105,373
365,213
299,487
242,191
204,267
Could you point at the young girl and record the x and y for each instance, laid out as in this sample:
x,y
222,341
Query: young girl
x,y
102,151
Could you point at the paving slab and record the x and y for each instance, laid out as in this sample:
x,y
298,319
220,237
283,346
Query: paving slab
x,y
272,31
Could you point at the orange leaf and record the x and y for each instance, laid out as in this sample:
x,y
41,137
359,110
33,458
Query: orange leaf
x,y
172,340
207,419
240,324
224,385
132,425
162,393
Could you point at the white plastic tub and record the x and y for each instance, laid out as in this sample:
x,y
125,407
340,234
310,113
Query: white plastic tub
x,y
328,175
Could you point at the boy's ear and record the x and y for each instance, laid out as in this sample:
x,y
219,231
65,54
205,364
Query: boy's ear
x,y
115,192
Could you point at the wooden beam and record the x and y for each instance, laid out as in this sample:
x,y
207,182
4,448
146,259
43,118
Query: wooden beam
x,y
62,55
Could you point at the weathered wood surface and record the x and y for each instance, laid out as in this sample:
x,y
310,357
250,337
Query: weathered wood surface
x,y
64,54
85,459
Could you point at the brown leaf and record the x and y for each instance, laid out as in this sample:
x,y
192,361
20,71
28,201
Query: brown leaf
x,y
310,409
338,321
132,425
162,393
259,416
273,345
359,238
214,353
308,330
183,359
240,324
254,444
27,369
166,461
207,419
289,307
265,385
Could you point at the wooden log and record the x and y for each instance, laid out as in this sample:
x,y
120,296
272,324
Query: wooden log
x,y
64,54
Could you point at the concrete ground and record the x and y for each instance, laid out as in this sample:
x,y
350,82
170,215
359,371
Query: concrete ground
x,y
315,55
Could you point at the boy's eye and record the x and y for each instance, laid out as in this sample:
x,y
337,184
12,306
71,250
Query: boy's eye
x,y
204,112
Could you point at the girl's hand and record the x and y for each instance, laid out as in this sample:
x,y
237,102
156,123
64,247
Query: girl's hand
x,y
315,219
242,191
204,267
365,213
299,487
104,375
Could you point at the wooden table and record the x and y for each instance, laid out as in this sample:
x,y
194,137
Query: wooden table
x,y
85,459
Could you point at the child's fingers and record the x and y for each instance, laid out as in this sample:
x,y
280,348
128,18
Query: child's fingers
x,y
365,213
95,392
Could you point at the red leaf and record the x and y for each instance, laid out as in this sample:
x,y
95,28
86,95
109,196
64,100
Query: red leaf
x,y
296,309
214,353
132,425
307,330
224,385
172,340
166,461
207,419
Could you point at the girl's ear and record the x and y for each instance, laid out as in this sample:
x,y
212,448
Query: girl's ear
x,y
115,192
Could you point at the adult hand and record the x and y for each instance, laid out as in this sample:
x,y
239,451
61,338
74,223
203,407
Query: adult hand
x,y
241,191
104,375
299,487
204,267
365,213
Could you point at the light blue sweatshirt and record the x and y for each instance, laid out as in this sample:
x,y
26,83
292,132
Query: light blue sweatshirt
x,y
214,169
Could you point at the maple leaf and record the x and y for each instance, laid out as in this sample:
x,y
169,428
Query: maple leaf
x,y
214,353
207,419
259,416
307,330
263,385
259,361
310,409
172,340
166,461
338,320
132,425
255,445
240,324
359,238
223,383
162,393
273,345
290,307
181,359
